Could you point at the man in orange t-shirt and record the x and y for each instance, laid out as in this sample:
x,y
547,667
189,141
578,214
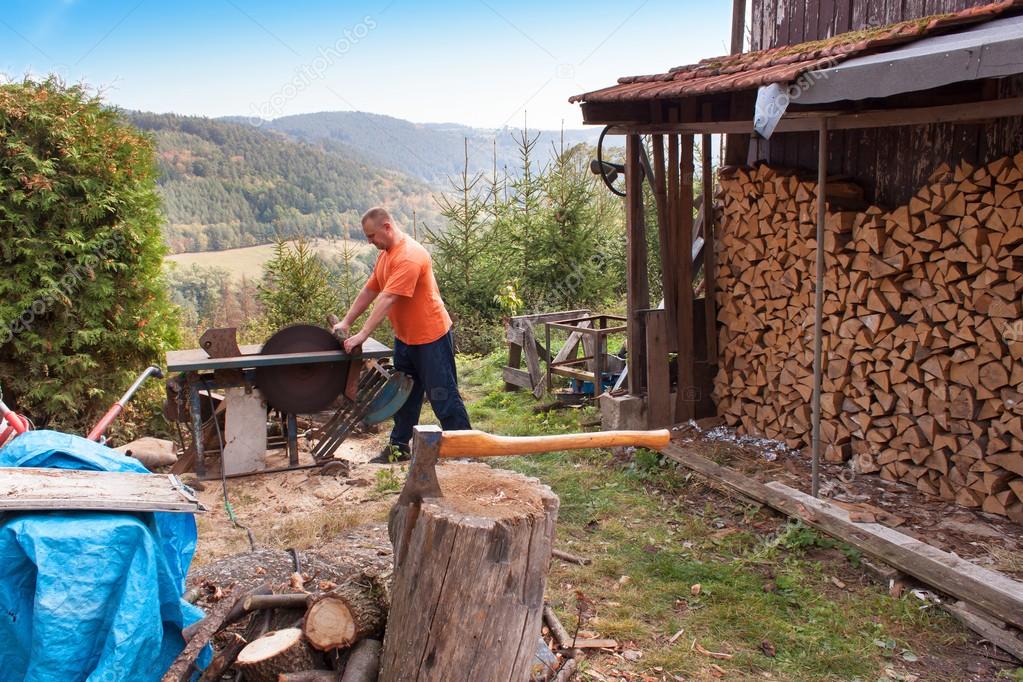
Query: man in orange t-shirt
x,y
404,288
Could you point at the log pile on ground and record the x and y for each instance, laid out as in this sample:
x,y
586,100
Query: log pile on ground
x,y
320,615
923,326
310,615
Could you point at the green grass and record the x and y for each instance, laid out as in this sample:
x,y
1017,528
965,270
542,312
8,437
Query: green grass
x,y
764,583
249,260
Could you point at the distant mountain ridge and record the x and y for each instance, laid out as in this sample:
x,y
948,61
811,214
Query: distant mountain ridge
x,y
226,184
430,151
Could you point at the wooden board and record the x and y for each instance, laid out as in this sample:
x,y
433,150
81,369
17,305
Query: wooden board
x,y
46,489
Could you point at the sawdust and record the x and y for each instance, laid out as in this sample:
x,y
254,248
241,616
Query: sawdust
x,y
478,490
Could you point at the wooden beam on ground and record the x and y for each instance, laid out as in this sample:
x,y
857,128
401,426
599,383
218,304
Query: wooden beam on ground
x,y
685,404
638,296
992,592
996,633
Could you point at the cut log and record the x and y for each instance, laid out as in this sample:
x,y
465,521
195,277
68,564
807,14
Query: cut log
x,y
182,667
280,651
469,578
224,659
350,612
364,662
309,676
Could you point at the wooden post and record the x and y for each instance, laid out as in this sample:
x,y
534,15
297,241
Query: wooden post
x,y
685,399
671,302
638,296
664,226
818,306
468,588
709,285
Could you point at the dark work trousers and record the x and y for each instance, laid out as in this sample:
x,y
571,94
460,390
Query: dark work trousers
x,y
432,368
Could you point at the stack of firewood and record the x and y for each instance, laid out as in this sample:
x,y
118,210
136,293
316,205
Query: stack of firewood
x,y
923,326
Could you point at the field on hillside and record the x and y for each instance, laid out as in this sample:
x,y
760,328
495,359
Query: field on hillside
x,y
249,260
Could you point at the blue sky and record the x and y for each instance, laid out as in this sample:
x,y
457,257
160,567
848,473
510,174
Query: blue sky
x,y
479,62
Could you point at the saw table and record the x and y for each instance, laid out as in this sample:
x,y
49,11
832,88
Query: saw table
x,y
301,369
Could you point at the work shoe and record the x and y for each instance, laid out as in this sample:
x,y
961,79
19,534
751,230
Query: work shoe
x,y
392,453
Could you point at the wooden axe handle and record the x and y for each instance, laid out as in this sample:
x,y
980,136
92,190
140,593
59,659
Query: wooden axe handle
x,y
472,443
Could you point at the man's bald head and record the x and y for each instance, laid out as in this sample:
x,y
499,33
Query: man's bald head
x,y
379,228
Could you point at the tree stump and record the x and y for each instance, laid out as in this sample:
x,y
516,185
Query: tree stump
x,y
468,584
281,651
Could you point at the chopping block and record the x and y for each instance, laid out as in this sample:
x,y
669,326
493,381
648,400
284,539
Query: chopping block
x,y
472,549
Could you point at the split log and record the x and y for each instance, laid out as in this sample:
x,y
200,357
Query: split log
x,y
571,558
558,631
182,667
920,361
468,589
567,670
343,616
364,662
280,651
224,659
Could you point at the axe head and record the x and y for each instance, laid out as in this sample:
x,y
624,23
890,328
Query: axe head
x,y
421,481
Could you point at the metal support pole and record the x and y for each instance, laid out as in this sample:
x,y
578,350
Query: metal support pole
x,y
195,408
292,440
818,306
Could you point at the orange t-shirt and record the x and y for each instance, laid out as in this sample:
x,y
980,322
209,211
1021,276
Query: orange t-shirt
x,y
418,315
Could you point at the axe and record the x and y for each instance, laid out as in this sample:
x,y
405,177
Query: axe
x,y
429,444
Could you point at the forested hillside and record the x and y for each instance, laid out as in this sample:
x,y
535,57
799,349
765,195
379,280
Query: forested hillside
x,y
430,151
226,185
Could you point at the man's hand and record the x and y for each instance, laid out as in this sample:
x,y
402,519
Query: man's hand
x,y
341,328
353,342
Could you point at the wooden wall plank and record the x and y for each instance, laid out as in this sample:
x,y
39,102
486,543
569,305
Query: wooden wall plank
x,y
821,22
684,406
636,262
843,16
797,18
709,263
664,229
770,26
859,17
756,27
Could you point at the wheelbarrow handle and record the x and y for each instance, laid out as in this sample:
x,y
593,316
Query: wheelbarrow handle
x,y
115,410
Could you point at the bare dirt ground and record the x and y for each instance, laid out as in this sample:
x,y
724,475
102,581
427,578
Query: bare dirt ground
x,y
295,508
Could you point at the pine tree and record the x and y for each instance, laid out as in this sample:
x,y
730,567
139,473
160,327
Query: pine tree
x,y
83,303
297,287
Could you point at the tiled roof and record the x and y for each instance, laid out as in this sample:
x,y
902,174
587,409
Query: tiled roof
x,y
785,63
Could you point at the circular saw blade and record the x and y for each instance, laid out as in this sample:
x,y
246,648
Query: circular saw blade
x,y
301,388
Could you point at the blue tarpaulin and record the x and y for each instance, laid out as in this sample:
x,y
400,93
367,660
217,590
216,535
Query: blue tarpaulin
x,y
90,595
